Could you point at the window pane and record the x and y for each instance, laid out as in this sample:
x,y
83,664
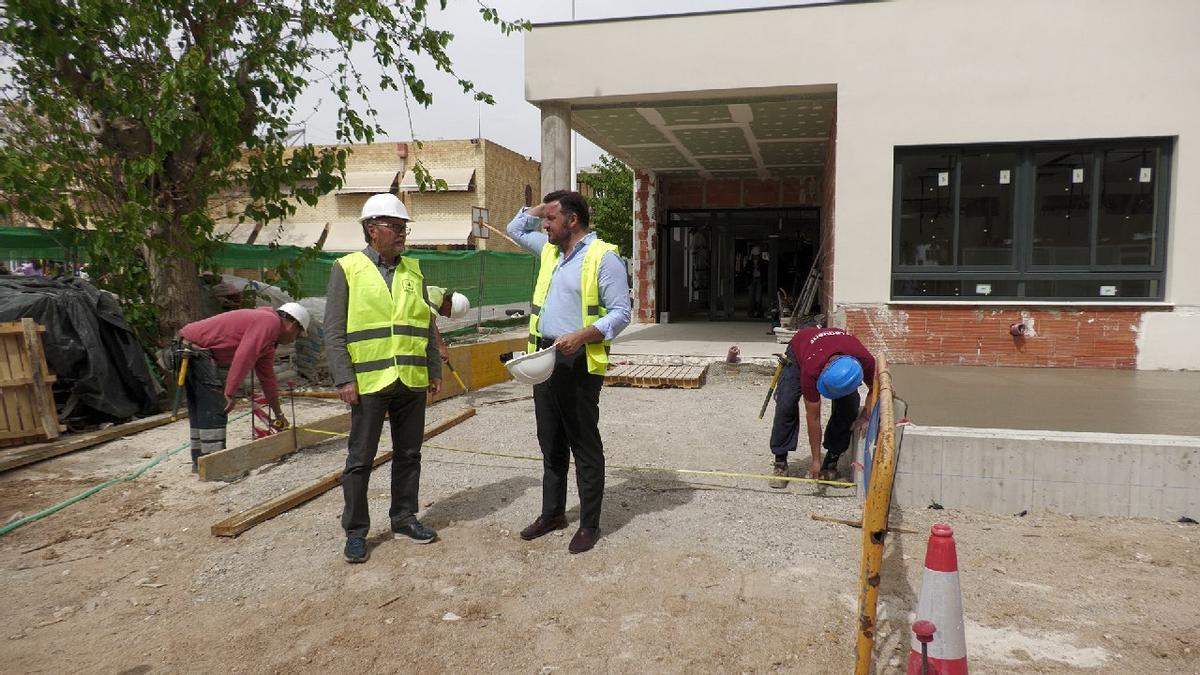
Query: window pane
x,y
1093,289
1061,228
937,288
985,220
1126,219
927,209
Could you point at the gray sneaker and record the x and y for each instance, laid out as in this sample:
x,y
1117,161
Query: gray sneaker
x,y
415,532
780,471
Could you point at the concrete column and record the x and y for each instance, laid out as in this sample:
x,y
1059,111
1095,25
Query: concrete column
x,y
556,147
645,247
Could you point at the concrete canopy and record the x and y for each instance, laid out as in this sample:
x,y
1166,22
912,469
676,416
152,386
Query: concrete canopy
x,y
705,138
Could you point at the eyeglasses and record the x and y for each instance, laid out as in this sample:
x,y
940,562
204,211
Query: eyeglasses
x,y
398,228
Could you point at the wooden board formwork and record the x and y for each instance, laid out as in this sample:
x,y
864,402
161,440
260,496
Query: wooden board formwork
x,y
678,377
478,364
27,411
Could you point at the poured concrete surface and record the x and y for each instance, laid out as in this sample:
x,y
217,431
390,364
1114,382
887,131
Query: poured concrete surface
x,y
1055,399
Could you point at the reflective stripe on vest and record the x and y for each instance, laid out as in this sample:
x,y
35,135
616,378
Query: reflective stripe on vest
x,y
387,331
589,287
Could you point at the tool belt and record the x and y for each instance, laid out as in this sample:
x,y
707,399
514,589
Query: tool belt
x,y
172,356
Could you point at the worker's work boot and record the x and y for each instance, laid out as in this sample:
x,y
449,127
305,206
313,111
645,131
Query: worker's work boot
x,y
780,471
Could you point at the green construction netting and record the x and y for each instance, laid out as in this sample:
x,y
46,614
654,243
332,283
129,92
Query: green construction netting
x,y
485,277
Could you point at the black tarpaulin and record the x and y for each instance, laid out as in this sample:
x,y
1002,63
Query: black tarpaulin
x,y
88,343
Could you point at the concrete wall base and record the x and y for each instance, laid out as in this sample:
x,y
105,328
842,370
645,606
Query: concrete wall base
x,y
1008,471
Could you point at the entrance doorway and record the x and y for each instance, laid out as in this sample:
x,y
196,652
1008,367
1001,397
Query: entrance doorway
x,y
728,265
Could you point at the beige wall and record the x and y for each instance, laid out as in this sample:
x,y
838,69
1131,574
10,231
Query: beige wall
x,y
911,72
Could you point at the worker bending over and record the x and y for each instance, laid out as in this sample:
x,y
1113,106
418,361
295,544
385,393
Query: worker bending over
x,y
237,340
826,362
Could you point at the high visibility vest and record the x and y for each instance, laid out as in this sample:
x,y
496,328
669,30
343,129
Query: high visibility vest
x,y
589,287
387,331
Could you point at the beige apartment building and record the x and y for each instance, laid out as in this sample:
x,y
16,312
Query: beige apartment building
x,y
479,174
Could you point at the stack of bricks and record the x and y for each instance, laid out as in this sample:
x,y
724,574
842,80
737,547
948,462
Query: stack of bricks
x,y
645,247
974,336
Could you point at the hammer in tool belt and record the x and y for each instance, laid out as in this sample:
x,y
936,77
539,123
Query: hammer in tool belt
x,y
184,353
781,361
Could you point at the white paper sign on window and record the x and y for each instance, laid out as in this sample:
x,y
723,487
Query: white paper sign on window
x,y
1076,175
1145,174
943,178
983,289
1108,291
1005,176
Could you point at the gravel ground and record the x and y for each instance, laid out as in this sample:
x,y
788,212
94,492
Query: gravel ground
x,y
693,573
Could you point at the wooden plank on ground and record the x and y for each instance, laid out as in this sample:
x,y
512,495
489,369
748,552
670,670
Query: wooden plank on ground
x,y
685,377
231,463
27,454
260,513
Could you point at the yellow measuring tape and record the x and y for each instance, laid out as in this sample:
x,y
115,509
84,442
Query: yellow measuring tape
x,y
624,467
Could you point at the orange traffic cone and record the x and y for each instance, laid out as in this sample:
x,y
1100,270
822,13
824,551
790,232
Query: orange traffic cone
x,y
940,604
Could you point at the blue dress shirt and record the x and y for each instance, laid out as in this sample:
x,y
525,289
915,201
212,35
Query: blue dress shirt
x,y
562,312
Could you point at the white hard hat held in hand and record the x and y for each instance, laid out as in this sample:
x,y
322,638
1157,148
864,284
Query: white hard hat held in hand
x,y
534,367
385,205
459,305
297,312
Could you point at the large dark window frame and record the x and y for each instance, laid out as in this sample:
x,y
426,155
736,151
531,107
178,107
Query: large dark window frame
x,y
1023,269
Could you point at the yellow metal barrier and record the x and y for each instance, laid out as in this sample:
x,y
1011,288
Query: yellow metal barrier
x,y
875,517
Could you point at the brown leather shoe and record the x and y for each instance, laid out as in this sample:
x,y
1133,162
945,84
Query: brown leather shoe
x,y
543,526
584,539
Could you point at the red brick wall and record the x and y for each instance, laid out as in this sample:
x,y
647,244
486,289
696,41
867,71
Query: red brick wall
x,y
975,336
739,193
828,203
645,248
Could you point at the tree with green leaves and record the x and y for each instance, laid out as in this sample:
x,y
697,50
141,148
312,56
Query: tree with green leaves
x,y
611,202
130,117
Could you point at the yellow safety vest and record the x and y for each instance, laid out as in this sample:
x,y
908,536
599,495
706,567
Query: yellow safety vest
x,y
589,287
387,331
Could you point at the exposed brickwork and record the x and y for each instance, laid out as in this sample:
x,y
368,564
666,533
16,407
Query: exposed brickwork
x,y
975,336
502,185
737,193
645,248
828,208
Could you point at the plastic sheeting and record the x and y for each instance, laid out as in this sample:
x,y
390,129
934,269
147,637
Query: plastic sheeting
x,y
87,342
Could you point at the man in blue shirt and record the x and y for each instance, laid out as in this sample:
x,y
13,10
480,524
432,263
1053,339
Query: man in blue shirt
x,y
575,266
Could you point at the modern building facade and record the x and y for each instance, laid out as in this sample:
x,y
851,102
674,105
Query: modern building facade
x,y
962,170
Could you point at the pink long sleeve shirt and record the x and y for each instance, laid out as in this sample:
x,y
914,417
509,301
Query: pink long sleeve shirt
x,y
240,340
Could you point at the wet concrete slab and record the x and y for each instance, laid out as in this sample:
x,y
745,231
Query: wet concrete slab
x,y
1051,399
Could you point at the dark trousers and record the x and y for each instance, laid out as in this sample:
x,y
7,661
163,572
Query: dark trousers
x,y
405,409
205,391
785,431
567,407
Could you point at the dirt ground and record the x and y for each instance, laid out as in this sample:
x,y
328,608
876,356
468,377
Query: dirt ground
x,y
693,574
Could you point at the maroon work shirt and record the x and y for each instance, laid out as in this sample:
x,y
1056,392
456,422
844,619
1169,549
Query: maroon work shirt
x,y
813,347
241,339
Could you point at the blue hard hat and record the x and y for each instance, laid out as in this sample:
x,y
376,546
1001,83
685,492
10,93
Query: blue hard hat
x,y
840,378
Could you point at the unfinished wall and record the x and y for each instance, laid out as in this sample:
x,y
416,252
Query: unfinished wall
x,y
979,336
645,247
740,193
502,185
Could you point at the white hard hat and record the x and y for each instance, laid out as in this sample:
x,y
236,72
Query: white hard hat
x,y
534,367
297,312
384,205
459,305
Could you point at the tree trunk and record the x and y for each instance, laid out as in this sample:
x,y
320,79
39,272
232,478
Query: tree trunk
x,y
174,282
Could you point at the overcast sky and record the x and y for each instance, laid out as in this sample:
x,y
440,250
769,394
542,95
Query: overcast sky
x,y
496,64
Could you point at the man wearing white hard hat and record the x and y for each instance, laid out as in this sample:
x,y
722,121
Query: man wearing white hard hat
x,y
580,303
238,340
384,359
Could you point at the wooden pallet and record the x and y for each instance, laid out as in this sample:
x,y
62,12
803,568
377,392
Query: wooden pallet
x,y
679,377
27,411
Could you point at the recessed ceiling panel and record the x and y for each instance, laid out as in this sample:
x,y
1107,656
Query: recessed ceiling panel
x,y
789,152
623,126
720,141
657,156
727,163
695,114
801,118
